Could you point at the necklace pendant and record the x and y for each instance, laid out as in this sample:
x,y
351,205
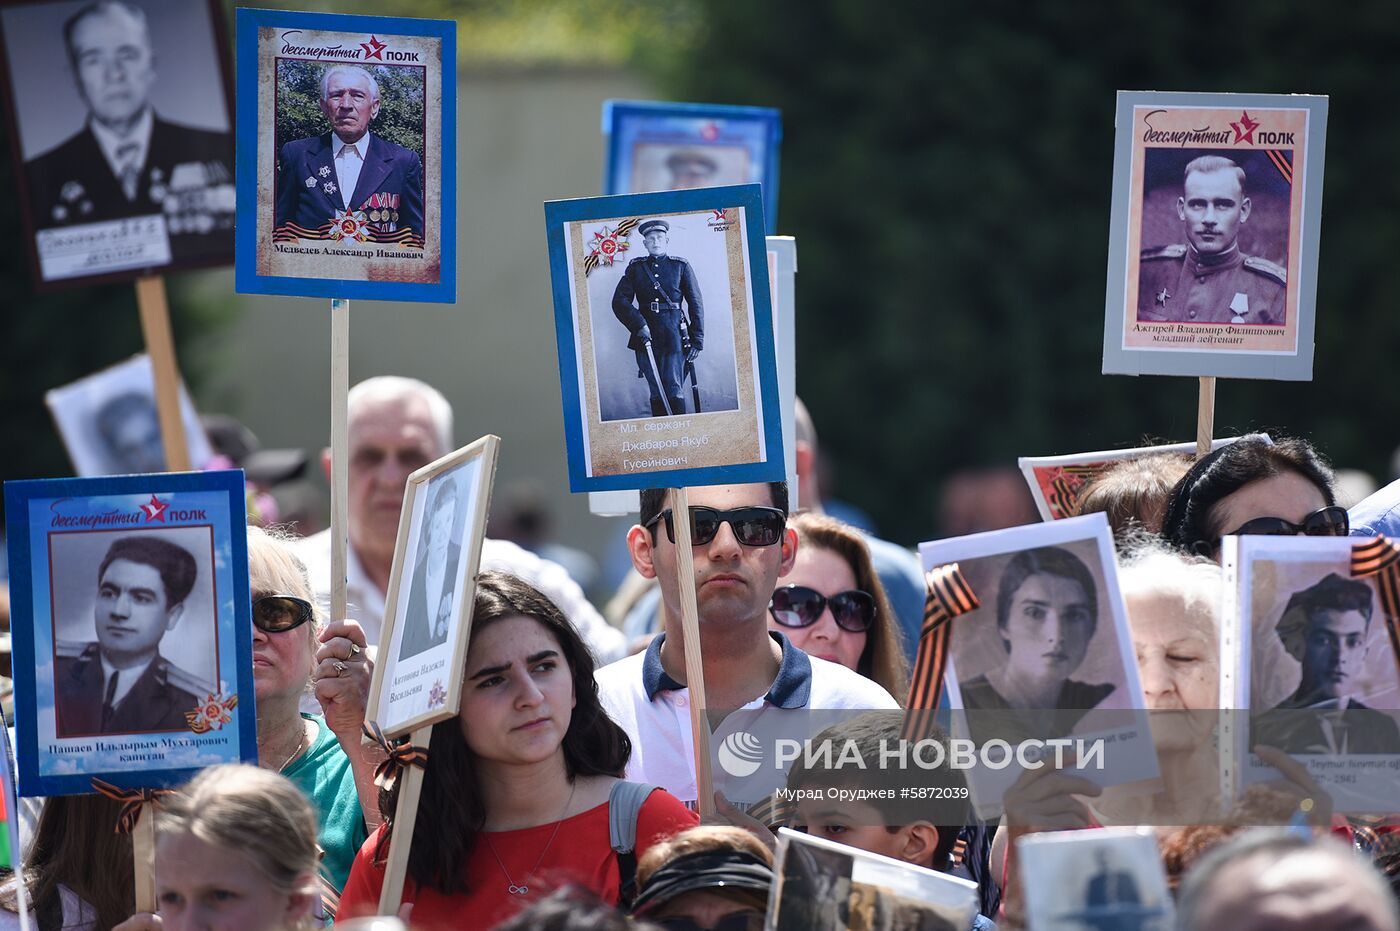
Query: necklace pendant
x,y
513,889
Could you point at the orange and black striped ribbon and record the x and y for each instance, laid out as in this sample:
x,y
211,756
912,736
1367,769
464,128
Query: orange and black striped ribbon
x,y
947,595
1061,498
591,261
1380,557
131,799
1281,162
400,755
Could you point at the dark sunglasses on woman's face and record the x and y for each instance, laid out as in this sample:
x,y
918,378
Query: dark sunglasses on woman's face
x,y
753,526
275,614
800,606
1324,522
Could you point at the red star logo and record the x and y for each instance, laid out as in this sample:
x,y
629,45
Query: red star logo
x,y
154,510
373,49
721,215
709,132
1244,129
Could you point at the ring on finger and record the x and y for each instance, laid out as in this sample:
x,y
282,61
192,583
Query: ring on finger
x,y
340,668
355,650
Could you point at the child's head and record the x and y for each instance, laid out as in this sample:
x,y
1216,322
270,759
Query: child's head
x,y
920,831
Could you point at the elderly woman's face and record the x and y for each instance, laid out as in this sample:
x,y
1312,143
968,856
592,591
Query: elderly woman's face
x,y
1288,494
282,661
1179,663
1048,627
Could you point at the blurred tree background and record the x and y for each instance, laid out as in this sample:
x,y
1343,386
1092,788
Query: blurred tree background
x,y
400,118
946,169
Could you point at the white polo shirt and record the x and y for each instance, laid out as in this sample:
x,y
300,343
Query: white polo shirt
x,y
654,710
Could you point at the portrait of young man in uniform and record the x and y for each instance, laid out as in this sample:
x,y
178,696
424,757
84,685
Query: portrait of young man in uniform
x,y
127,159
350,169
120,683
1208,279
658,301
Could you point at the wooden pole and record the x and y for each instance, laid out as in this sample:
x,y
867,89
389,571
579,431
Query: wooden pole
x,y
690,636
405,816
340,444
160,345
143,860
1205,416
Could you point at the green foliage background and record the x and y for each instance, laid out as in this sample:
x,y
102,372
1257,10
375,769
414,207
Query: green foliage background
x,y
299,114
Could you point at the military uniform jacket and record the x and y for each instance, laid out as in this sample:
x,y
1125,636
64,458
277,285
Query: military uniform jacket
x,y
1177,284
157,702
188,177
667,280
389,189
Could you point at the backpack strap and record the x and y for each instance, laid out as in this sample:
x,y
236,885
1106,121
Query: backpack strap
x,y
624,805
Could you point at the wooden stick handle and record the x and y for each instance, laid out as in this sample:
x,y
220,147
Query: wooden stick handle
x,y
160,345
401,841
143,859
694,669
340,452
1205,416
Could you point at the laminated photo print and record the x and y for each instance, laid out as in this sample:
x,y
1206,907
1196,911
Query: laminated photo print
x,y
121,125
1056,482
665,332
663,146
432,584
1044,659
1217,200
109,423
819,884
1313,659
346,156
1109,878
131,627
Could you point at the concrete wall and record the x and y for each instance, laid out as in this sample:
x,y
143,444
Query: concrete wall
x,y
524,137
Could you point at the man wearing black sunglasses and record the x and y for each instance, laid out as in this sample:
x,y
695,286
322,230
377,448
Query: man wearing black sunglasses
x,y
742,546
120,684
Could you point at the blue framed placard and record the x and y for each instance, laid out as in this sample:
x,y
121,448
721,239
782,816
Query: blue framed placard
x,y
664,321
315,220
677,146
141,579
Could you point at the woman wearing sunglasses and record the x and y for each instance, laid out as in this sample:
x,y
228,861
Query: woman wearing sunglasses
x,y
832,605
519,788
293,652
1253,486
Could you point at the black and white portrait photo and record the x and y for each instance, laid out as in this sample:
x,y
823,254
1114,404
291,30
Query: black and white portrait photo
x,y
109,423
670,166
124,132
1106,880
432,591
134,629
1332,632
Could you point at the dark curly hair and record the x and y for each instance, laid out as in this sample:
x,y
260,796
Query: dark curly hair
x,y
450,810
1190,522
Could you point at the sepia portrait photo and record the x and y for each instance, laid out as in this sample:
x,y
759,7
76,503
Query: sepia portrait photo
x,y
123,128
349,126
109,424
665,333
1214,234
1110,879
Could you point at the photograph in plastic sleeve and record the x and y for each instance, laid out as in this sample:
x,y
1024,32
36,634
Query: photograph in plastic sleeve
x,y
140,645
1047,656
1106,879
1213,256
123,134
1314,661
109,423
826,886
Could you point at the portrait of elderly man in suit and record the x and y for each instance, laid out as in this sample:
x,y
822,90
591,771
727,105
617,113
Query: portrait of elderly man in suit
x,y
349,170
127,160
120,684
433,589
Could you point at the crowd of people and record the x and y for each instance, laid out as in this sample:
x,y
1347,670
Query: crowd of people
x,y
564,793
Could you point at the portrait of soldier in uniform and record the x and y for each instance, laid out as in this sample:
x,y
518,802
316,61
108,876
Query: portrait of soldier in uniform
x,y
433,589
130,431
1326,628
349,169
121,684
658,301
127,160
1208,279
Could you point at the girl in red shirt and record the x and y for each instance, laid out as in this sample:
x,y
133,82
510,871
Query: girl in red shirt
x,y
516,787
